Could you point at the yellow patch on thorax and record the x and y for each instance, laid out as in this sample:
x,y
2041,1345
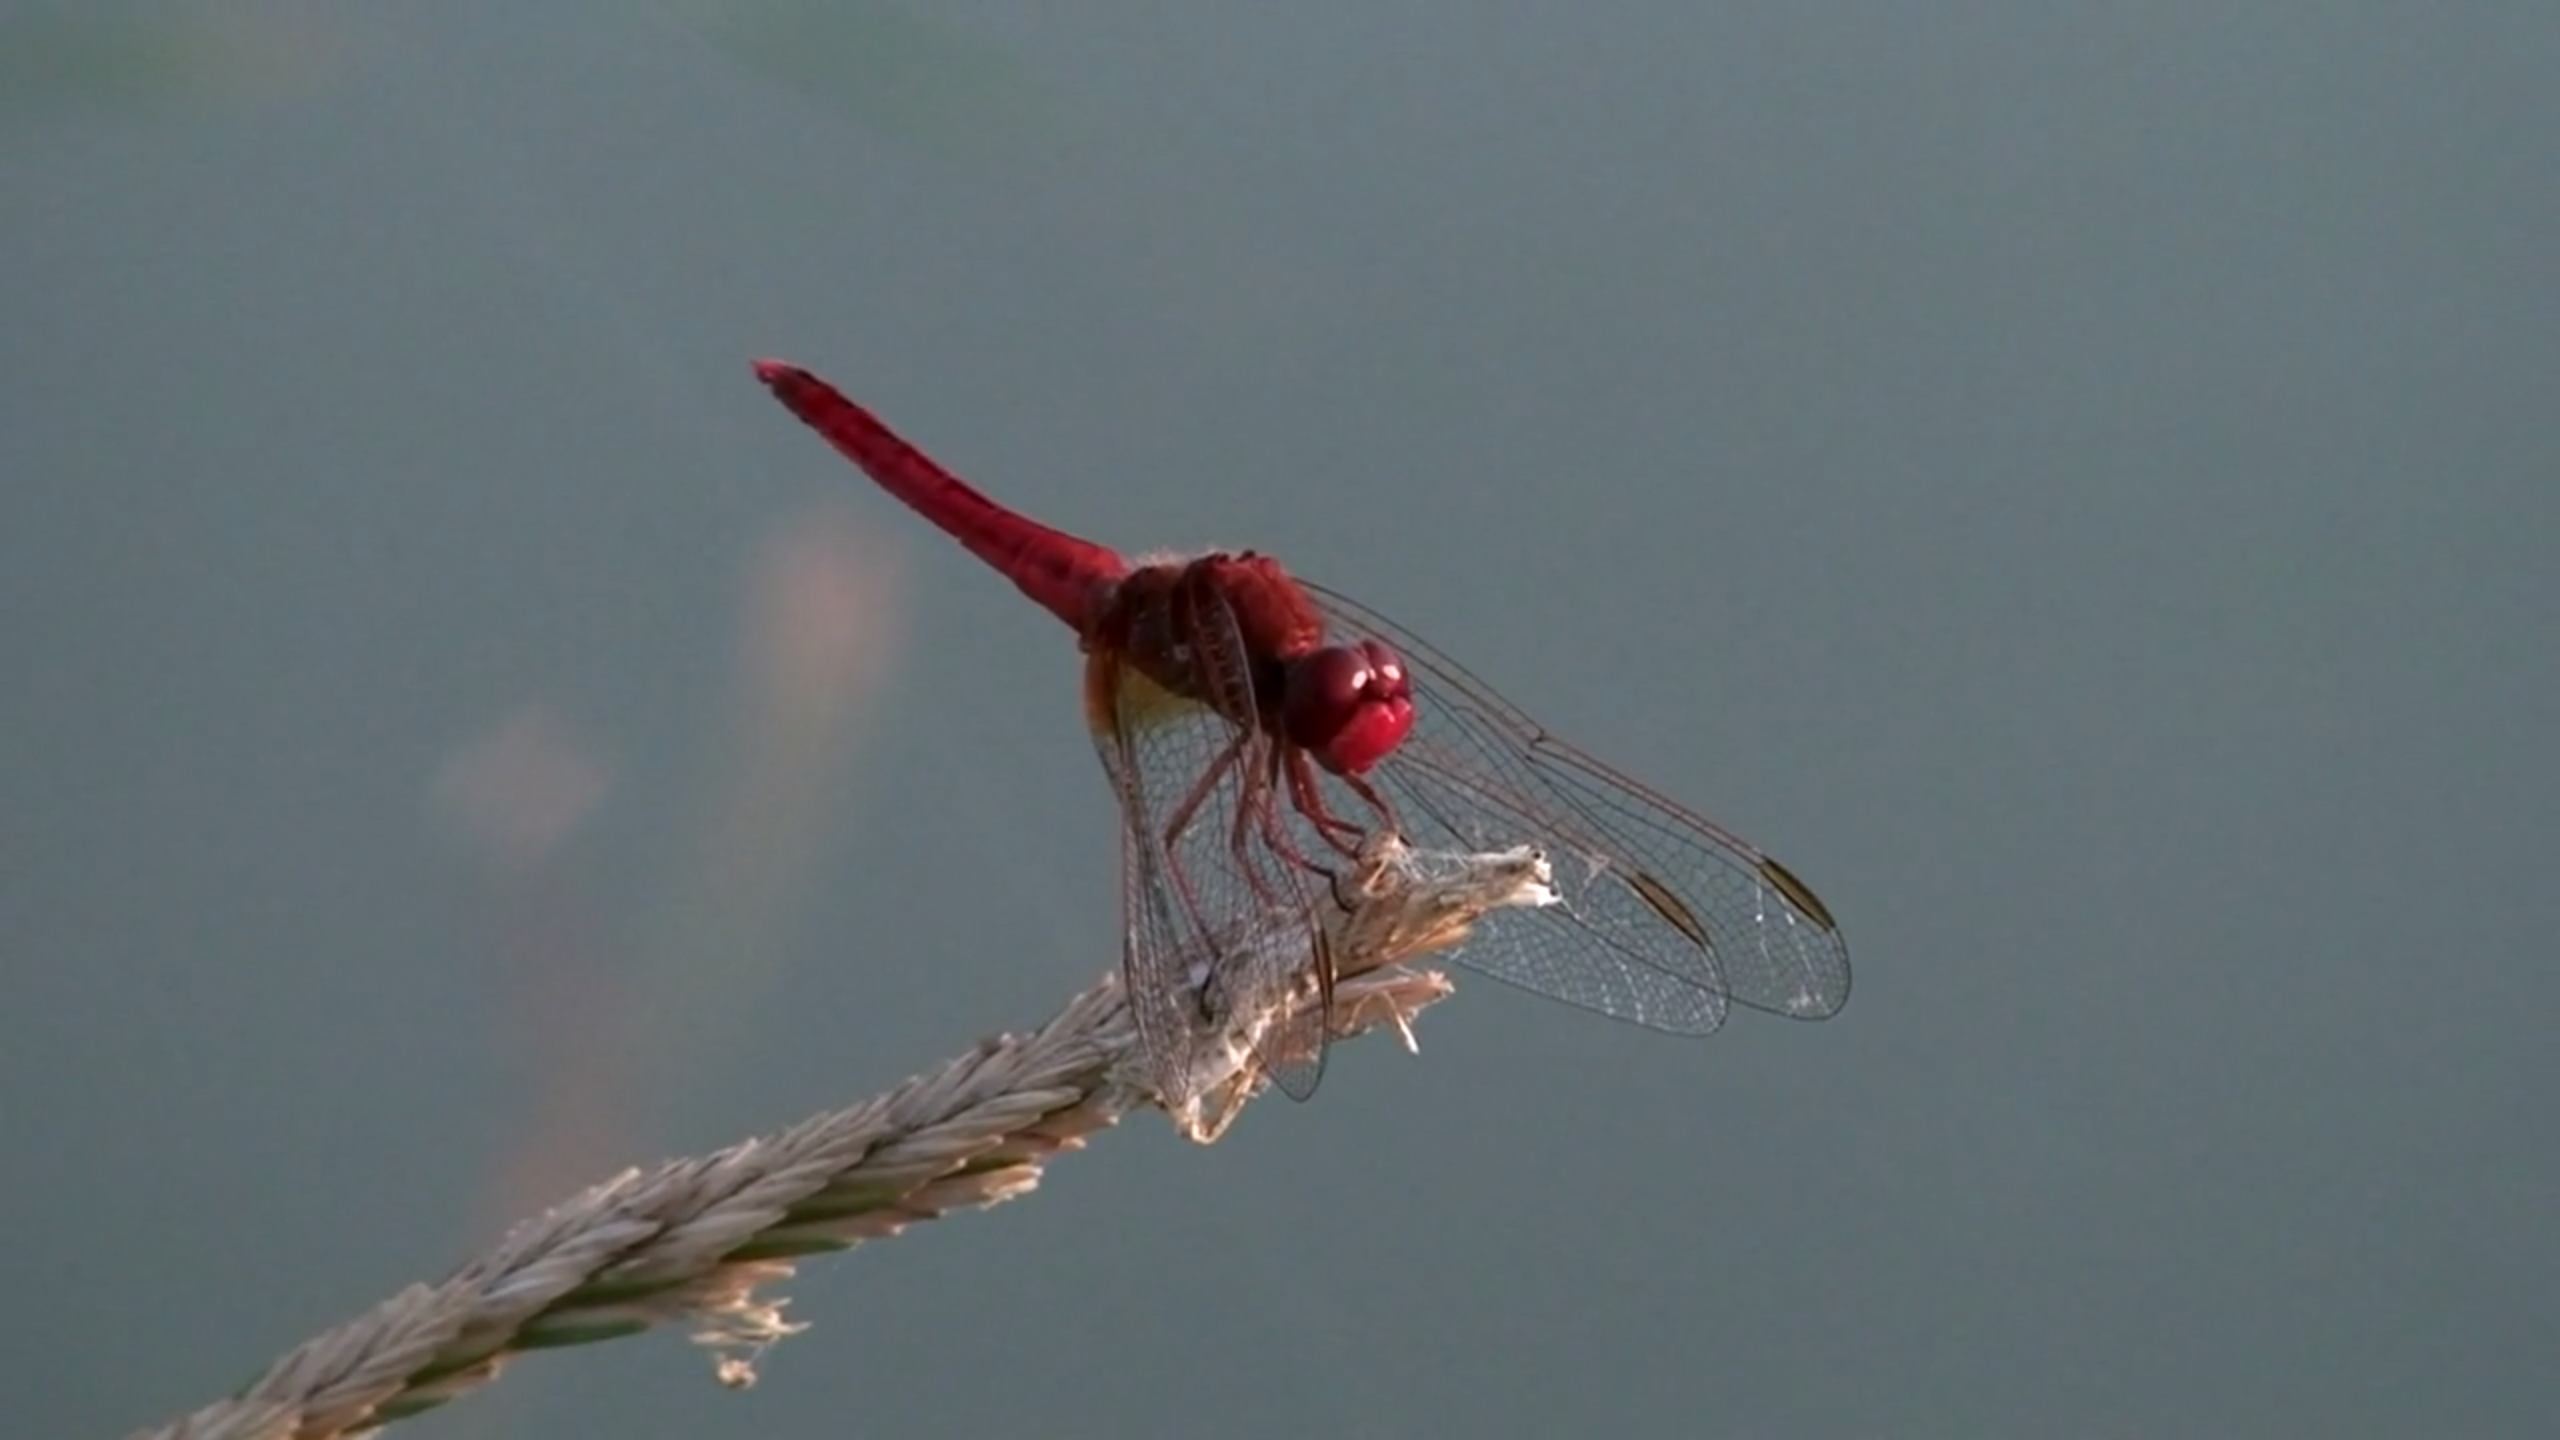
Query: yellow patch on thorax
x,y
1114,692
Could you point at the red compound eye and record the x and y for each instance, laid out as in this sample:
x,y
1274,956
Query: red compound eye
x,y
1349,705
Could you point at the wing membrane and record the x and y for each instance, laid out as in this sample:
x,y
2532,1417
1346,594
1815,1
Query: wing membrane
x,y
1219,922
1667,918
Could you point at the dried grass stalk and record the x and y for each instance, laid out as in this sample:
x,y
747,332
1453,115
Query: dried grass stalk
x,y
696,1239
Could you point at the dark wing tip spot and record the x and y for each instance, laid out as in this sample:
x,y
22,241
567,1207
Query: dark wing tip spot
x,y
1798,894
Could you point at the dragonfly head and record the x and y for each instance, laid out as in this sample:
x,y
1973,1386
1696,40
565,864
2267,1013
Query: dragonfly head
x,y
1348,705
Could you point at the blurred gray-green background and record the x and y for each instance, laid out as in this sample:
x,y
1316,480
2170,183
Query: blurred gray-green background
x,y
2079,483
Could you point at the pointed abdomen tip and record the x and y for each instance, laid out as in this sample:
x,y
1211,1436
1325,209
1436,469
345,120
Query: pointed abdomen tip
x,y
777,372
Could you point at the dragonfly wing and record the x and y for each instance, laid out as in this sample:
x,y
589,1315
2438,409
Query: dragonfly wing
x,y
1282,969
1667,917
1220,924
1156,943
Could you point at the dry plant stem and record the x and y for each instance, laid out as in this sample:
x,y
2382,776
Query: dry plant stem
x,y
696,1238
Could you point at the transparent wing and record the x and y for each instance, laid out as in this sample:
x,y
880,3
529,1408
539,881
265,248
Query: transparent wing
x,y
1157,945
1667,917
1221,922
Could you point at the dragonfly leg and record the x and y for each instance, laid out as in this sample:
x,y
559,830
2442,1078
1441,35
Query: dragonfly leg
x,y
1306,794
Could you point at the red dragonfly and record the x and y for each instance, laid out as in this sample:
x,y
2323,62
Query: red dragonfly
x,y
1258,729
